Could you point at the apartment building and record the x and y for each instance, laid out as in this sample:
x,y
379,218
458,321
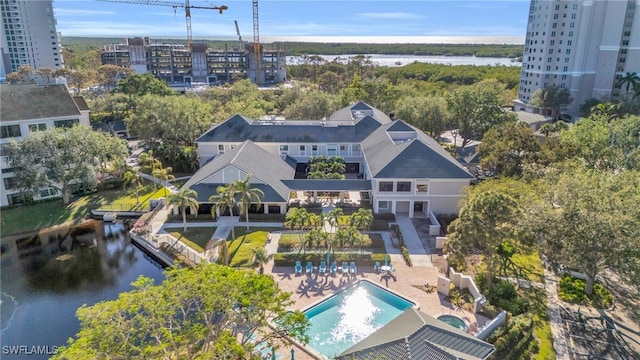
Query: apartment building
x,y
178,64
579,45
31,108
29,36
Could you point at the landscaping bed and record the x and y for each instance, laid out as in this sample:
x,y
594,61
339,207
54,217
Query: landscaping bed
x,y
195,237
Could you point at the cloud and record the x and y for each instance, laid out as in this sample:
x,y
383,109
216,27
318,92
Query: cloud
x,y
390,15
81,12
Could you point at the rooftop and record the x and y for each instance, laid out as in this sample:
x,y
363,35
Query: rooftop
x,y
31,101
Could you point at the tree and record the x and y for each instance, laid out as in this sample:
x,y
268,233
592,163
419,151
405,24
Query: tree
x,y
361,219
428,113
223,250
185,198
297,218
504,150
247,195
334,217
212,312
312,105
142,84
164,174
477,108
148,163
321,167
588,220
631,79
260,258
551,97
132,177
486,220
45,73
109,75
225,198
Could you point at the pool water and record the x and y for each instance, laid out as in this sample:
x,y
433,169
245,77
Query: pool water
x,y
351,315
454,321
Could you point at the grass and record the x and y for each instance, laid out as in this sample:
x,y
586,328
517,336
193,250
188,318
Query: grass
x,y
241,248
195,237
46,214
292,241
529,267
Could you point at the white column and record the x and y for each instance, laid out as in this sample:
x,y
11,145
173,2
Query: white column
x,y
410,208
265,208
393,206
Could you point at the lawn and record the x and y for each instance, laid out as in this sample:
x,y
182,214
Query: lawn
x,y
195,237
292,241
42,215
529,267
241,248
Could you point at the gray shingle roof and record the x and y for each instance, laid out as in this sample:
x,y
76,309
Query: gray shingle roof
x,y
421,157
328,184
238,129
415,335
348,112
205,190
81,103
252,159
26,102
400,126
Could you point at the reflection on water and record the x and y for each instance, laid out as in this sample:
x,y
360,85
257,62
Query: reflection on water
x,y
47,276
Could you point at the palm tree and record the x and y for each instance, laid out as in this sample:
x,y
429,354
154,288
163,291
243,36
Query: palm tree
x,y
362,219
148,162
260,258
631,79
247,195
334,217
183,199
132,177
341,236
223,252
225,198
297,218
164,174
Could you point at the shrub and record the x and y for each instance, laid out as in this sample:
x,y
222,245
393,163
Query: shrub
x,y
572,291
290,259
379,225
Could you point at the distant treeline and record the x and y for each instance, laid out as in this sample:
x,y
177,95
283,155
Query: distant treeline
x,y
307,48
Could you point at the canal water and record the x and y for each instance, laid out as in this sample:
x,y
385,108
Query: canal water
x,y
46,277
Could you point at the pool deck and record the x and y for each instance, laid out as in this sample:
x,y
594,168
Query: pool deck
x,y
307,290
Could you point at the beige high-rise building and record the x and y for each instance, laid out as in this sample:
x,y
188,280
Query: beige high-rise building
x,y
29,36
585,46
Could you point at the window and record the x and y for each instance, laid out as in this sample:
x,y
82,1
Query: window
x,y
314,149
575,7
220,149
552,42
383,205
557,7
386,186
9,131
570,33
343,149
303,149
48,192
284,149
37,127
422,187
65,123
555,16
403,186
355,149
10,183
553,34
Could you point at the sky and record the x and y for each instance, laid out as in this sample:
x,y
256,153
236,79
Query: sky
x,y
384,21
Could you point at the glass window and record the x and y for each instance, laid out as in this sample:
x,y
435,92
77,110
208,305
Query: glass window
x,y
383,205
220,147
284,148
386,186
10,183
403,186
65,123
422,187
9,131
37,127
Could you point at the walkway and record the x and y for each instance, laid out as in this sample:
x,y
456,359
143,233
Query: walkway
x,y
417,252
555,318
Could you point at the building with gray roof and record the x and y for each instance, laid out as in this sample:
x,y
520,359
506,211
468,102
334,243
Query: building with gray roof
x,y
400,168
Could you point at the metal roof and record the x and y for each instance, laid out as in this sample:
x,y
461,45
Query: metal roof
x,y
328,185
415,335
205,190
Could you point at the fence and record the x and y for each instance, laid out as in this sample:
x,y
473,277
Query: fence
x,y
489,327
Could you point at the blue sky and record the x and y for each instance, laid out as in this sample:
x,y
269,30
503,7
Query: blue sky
x,y
282,20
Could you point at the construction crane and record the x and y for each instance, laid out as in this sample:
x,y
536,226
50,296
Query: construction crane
x,y
257,54
174,4
238,32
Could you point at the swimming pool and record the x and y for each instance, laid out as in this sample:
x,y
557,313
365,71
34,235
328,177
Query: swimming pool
x,y
454,321
351,315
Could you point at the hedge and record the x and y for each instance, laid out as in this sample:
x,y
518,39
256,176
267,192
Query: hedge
x,y
265,217
360,259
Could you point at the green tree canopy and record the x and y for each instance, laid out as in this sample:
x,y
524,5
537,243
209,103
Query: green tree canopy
x,y
211,311
506,149
428,113
143,84
551,97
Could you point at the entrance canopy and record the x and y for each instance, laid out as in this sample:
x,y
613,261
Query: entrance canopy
x,y
327,185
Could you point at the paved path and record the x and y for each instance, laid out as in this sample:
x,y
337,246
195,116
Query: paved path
x,y
418,254
555,319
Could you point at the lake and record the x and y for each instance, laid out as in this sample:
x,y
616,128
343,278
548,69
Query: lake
x,y
47,276
401,60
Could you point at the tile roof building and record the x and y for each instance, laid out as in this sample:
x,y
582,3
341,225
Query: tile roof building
x,y
25,109
395,166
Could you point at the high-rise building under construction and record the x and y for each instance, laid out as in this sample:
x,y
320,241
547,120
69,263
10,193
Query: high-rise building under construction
x,y
579,45
178,64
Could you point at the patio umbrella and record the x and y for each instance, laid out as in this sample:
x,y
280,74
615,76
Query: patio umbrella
x,y
328,257
292,356
386,259
273,354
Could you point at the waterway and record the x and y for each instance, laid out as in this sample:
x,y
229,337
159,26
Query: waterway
x,y
46,277
401,60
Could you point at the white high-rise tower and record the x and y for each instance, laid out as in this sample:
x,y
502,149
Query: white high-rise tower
x,y
29,35
585,46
